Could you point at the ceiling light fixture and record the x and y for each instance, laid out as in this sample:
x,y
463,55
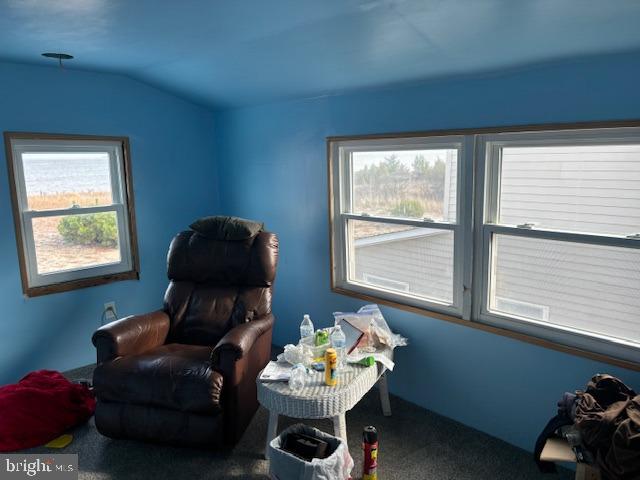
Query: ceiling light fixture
x,y
58,56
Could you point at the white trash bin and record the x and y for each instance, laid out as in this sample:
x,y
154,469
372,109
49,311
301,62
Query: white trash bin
x,y
285,466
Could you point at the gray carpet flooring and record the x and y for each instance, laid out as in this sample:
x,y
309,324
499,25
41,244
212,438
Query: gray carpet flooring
x,y
414,444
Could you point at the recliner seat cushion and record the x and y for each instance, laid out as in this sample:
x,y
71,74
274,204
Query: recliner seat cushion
x,y
172,376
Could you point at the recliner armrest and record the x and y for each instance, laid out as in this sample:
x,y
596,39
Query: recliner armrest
x,y
131,335
239,356
233,356
241,338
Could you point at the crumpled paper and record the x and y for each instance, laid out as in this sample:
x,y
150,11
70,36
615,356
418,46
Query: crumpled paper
x,y
294,354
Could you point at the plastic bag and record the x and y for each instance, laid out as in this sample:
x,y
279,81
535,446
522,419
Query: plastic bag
x,y
384,333
294,354
370,320
285,466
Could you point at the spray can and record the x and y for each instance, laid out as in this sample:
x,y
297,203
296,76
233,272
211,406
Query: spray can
x,y
370,448
331,367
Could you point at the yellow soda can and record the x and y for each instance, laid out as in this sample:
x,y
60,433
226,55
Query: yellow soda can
x,y
331,367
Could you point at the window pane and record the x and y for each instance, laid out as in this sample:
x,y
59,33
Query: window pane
x,y
75,241
64,180
587,287
591,189
406,183
414,261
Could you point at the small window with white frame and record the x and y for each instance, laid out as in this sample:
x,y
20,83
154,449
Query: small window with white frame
x,y
398,217
73,208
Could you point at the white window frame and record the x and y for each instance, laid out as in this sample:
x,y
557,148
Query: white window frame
x,y
478,176
487,211
37,283
341,167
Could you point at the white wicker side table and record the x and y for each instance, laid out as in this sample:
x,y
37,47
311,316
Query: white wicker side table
x,y
317,400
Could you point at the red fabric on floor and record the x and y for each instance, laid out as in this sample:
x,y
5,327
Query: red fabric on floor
x,y
40,407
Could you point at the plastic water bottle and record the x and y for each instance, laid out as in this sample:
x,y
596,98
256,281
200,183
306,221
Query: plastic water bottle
x,y
338,341
306,327
298,377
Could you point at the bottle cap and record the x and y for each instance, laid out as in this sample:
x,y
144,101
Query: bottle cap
x,y
370,434
367,361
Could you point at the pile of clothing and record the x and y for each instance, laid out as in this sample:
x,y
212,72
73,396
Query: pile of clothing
x,y
602,425
40,407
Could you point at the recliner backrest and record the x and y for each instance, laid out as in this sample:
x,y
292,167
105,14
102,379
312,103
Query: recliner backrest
x,y
217,284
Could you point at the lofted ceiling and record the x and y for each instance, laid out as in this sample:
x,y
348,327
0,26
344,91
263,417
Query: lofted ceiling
x,y
240,52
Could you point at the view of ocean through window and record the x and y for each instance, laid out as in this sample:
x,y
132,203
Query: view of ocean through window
x,y
65,181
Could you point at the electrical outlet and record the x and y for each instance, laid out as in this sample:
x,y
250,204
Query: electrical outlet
x,y
109,314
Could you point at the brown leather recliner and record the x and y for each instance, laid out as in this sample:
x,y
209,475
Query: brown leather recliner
x,y
186,374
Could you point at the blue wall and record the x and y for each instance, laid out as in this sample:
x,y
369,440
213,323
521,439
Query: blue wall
x,y
174,180
273,167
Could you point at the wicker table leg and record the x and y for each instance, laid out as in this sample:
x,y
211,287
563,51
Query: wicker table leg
x,y
272,431
383,387
340,427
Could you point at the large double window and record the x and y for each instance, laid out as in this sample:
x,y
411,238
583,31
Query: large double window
x,y
73,210
535,232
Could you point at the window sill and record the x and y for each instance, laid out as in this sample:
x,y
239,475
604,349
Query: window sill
x,y
492,329
82,283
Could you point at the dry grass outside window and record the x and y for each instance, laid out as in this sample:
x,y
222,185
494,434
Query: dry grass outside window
x,y
53,252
